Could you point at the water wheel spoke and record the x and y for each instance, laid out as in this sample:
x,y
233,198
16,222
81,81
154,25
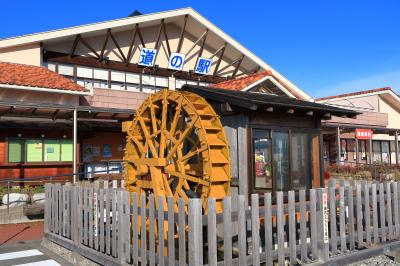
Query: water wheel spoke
x,y
181,138
147,135
192,153
136,142
176,117
153,116
163,123
190,178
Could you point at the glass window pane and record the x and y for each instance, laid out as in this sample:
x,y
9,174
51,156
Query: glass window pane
x,y
376,149
262,159
100,84
118,76
133,78
34,150
84,72
100,74
300,153
148,80
51,150
51,66
385,152
15,151
281,160
66,70
118,85
66,150
162,82
132,87
179,83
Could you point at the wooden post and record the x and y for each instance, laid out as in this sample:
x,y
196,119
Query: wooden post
x,y
338,145
255,228
195,233
396,138
322,218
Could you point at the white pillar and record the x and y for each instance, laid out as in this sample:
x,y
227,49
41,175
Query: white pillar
x,y
75,131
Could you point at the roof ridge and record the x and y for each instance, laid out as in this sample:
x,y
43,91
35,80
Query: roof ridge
x,y
362,92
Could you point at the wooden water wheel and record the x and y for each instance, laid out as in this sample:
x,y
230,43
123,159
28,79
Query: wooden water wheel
x,y
176,147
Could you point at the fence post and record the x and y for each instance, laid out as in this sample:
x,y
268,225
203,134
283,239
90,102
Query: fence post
x,y
195,233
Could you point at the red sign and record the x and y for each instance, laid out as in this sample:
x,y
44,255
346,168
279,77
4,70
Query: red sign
x,y
364,134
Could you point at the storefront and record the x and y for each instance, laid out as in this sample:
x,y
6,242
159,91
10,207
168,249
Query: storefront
x,y
275,141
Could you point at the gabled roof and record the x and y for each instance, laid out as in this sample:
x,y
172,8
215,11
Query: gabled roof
x,y
248,82
149,20
260,101
358,93
18,76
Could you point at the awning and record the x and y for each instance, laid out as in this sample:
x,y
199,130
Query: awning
x,y
264,102
15,114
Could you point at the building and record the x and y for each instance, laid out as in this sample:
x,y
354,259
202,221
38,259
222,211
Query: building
x,y
274,140
64,93
380,115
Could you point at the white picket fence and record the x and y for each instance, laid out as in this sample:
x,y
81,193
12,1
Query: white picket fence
x,y
317,225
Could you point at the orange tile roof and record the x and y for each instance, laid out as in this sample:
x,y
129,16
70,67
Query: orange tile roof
x,y
35,77
242,83
354,93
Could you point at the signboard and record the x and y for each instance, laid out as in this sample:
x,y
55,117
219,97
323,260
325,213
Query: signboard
x,y
95,220
176,61
326,216
147,57
364,134
203,66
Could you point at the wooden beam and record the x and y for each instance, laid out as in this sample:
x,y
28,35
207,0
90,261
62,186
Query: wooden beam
x,y
195,43
249,72
219,59
229,65
158,36
74,45
104,45
54,116
89,47
166,37
237,67
180,43
140,36
202,46
128,57
118,47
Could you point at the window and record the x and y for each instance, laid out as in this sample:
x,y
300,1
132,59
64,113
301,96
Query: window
x,y
66,70
282,159
262,159
363,149
300,160
381,151
16,151
39,150
280,142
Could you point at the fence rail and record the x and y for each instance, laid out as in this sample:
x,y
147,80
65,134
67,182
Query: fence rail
x,y
112,226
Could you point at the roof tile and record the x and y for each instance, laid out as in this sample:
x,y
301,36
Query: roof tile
x,y
242,83
36,77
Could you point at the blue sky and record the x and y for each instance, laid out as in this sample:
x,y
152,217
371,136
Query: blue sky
x,y
325,47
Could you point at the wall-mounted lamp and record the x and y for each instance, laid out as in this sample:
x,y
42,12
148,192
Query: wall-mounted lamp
x,y
19,135
64,136
43,135
106,59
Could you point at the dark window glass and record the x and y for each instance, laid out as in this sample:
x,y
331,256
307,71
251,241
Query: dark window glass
x,y
281,160
262,159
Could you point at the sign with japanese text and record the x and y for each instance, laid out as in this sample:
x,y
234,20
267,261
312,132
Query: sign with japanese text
x,y
147,57
176,61
203,66
325,216
364,134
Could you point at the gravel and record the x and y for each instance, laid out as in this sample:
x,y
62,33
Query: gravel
x,y
376,261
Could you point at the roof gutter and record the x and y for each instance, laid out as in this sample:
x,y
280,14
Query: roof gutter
x,y
17,87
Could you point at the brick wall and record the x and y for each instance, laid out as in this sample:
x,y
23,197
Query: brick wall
x,y
108,98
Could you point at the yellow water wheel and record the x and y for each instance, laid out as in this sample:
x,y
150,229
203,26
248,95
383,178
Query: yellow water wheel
x,y
176,147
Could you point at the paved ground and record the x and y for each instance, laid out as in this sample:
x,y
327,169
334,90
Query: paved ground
x,y
29,253
11,233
